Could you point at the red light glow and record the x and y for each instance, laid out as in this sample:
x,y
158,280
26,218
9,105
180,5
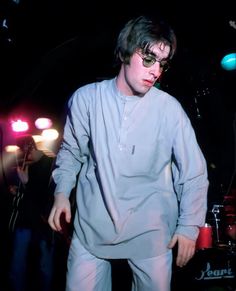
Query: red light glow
x,y
19,126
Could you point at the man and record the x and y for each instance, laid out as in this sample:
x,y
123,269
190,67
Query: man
x,y
142,178
32,249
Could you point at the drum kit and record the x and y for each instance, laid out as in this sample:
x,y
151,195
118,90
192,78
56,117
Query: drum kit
x,y
220,230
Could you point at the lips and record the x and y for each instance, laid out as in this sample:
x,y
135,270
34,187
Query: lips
x,y
148,83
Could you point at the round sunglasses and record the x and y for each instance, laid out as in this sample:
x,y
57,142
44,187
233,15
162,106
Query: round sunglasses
x,y
149,60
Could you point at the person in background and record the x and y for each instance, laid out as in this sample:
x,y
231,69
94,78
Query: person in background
x,y
32,240
142,178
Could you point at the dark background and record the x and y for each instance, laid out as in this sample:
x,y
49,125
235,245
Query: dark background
x,y
49,48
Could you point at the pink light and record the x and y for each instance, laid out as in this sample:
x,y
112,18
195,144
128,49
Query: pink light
x,y
19,126
43,123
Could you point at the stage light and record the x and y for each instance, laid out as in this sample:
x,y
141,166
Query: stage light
x,y
11,148
50,134
228,62
19,126
38,138
43,123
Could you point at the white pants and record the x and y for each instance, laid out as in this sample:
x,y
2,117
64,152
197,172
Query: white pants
x,y
89,273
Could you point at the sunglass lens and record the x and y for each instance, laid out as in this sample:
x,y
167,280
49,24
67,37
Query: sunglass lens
x,y
148,61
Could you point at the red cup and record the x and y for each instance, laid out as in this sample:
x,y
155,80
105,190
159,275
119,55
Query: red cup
x,y
204,240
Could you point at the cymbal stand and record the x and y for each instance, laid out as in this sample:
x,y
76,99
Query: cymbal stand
x,y
216,211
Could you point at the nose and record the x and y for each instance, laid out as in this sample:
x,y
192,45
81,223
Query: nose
x,y
156,70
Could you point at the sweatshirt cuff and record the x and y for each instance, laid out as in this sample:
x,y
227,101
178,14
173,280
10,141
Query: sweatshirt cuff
x,y
190,231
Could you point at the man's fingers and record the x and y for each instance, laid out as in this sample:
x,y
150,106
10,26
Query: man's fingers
x,y
54,219
184,256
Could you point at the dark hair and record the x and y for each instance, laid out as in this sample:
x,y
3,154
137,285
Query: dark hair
x,y
26,143
141,33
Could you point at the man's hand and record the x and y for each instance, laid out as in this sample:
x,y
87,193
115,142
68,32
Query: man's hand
x,y
186,249
13,189
23,174
60,206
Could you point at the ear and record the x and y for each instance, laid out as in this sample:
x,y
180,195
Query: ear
x,y
121,58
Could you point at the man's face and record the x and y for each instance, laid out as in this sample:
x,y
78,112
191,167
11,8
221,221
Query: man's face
x,y
28,152
138,78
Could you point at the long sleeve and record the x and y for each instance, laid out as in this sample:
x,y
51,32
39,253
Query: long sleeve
x,y
190,173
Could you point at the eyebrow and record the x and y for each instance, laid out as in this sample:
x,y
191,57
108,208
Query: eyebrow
x,y
148,52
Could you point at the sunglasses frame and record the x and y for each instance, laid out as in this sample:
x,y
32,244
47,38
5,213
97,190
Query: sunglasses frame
x,y
149,60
